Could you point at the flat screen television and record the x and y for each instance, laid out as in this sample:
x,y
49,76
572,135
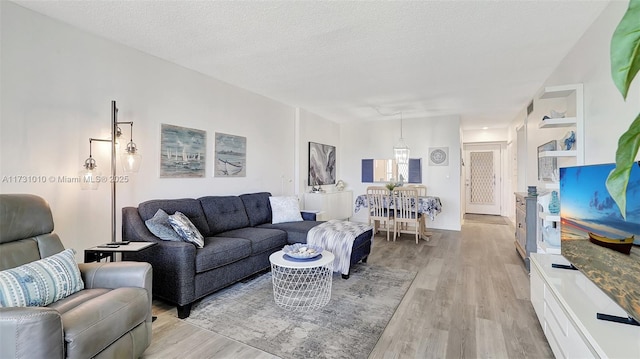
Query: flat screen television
x,y
591,225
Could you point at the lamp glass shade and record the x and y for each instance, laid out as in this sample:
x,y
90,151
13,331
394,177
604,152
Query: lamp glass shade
x,y
401,152
89,179
131,162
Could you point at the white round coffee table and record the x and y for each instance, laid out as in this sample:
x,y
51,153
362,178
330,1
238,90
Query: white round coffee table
x,y
299,285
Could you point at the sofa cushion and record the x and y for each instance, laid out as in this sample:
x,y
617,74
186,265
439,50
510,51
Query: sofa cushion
x,y
219,251
185,229
257,207
296,231
189,206
159,225
95,324
285,209
224,213
262,239
42,282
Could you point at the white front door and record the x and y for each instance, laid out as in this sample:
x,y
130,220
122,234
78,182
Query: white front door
x,y
483,179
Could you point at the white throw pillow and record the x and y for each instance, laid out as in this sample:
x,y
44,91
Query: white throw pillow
x,y
285,209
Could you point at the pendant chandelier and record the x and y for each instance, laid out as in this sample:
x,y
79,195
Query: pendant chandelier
x,y
401,150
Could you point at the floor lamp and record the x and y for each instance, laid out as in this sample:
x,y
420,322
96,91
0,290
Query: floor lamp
x,y
91,178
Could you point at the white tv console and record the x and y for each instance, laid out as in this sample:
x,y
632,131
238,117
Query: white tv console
x,y
566,303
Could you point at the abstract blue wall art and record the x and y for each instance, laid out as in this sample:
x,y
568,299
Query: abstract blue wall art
x,y
182,152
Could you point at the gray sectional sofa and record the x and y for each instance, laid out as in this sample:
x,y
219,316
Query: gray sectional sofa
x,y
239,238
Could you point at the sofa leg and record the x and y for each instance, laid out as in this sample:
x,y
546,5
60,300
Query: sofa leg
x,y
345,276
184,311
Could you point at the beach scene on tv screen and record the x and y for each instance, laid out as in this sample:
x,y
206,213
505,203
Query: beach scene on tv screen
x,y
587,207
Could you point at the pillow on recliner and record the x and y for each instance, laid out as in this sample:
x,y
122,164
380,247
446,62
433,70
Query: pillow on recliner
x,y
187,231
285,209
159,225
41,282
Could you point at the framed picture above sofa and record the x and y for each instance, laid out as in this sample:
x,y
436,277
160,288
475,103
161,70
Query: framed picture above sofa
x,y
231,156
182,152
322,164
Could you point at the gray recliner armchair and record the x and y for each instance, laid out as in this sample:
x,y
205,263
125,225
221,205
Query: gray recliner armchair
x,y
109,318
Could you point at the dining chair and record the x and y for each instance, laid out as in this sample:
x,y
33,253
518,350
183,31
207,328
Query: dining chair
x,y
406,212
422,189
378,200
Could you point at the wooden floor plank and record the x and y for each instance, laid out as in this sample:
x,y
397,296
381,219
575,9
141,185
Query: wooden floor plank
x,y
470,299
490,342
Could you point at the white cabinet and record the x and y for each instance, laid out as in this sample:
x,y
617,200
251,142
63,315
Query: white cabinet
x,y
566,304
333,205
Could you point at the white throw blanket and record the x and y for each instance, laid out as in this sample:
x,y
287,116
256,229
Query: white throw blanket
x,y
337,237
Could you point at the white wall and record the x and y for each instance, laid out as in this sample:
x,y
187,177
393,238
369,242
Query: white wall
x,y
313,128
606,115
376,140
489,135
56,91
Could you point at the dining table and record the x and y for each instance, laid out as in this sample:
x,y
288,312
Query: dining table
x,y
429,205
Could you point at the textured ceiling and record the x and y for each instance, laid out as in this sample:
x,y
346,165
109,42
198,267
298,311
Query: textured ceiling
x,y
482,60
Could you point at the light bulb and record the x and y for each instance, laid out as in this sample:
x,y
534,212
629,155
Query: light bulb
x,y
89,177
131,159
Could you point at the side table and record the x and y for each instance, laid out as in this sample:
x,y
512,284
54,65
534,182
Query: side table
x,y
95,254
302,285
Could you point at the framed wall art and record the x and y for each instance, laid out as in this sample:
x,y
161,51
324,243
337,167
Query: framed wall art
x,y
438,156
182,152
547,166
231,156
322,164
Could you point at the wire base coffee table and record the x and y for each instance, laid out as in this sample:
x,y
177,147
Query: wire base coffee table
x,y
302,285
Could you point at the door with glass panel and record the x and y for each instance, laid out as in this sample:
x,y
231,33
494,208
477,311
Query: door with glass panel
x,y
482,182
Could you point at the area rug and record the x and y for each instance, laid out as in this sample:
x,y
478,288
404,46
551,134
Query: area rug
x,y
348,327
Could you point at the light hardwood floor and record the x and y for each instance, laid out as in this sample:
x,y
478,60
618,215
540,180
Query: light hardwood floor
x,y
470,299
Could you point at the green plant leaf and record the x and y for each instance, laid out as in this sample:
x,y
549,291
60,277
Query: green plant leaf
x,y
625,49
626,153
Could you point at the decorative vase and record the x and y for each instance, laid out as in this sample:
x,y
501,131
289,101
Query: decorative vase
x,y
551,235
568,142
554,204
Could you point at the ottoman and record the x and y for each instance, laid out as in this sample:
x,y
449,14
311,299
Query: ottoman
x,y
350,242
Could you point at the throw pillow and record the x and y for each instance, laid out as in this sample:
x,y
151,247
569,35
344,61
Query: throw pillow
x,y
284,209
187,231
159,225
41,282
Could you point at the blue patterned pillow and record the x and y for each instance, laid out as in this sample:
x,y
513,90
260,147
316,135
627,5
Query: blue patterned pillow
x,y
42,282
159,225
185,229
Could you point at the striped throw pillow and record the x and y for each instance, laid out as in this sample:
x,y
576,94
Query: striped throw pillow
x,y
42,282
